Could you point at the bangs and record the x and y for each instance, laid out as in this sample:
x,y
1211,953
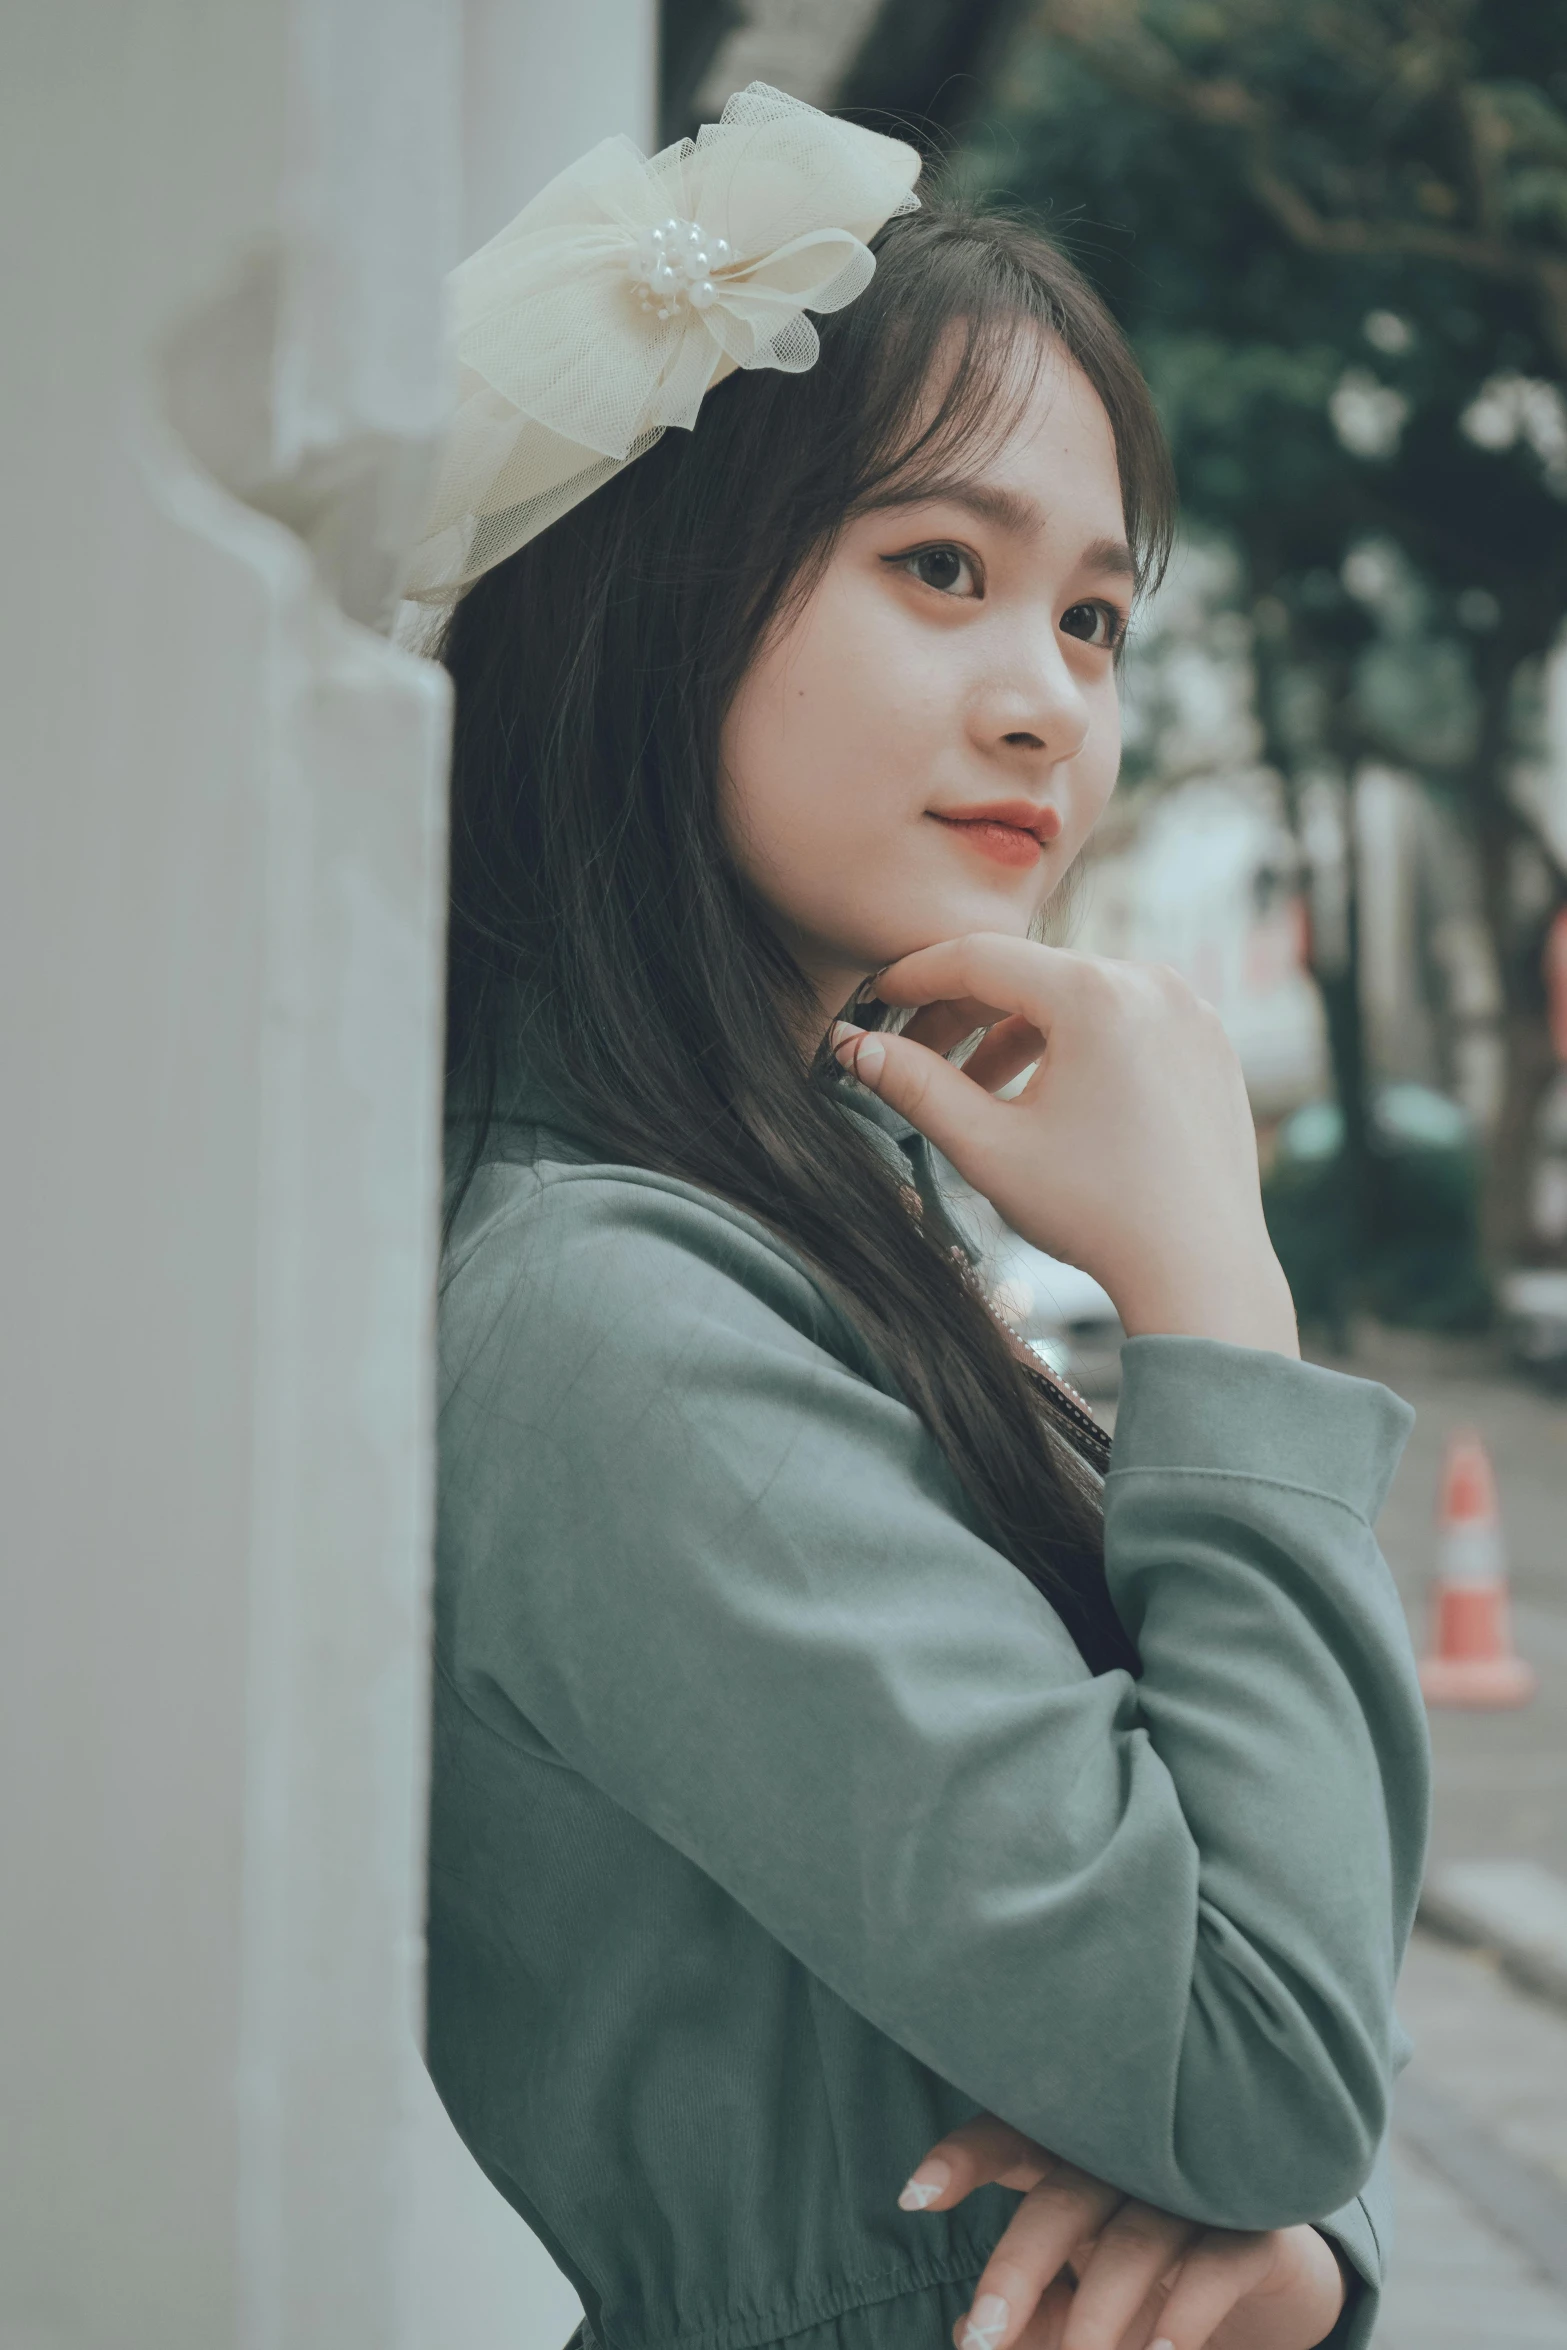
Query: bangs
x,y
986,366
946,345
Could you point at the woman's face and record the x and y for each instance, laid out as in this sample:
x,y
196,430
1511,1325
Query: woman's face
x,y
923,747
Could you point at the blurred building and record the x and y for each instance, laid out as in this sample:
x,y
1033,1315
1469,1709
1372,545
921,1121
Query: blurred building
x,y
1429,994
1202,863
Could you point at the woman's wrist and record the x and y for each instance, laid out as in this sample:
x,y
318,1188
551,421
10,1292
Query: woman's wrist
x,y
1252,1308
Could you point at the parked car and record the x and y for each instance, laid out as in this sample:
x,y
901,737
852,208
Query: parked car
x,y
1534,1317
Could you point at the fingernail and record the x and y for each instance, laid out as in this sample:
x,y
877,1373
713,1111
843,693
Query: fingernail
x,y
929,2181
844,1032
868,1059
987,2323
1164,2343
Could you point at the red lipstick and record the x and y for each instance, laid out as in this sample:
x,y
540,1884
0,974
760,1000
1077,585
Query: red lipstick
x,y
1009,832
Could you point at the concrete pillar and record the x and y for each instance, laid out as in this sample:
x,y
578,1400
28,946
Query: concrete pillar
x,y
220,996
224,232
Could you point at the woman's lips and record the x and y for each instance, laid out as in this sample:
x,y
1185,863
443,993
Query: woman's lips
x,y
1012,833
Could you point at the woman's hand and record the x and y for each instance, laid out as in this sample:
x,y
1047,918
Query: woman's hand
x,y
1082,2267
1130,1151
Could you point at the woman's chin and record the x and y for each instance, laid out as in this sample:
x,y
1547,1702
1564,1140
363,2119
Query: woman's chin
x,y
928,923
1010,915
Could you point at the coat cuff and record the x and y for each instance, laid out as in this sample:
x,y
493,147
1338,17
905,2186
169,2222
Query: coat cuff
x,y
1353,2237
1196,1403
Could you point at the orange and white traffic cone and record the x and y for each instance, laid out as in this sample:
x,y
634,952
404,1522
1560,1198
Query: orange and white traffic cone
x,y
1471,1659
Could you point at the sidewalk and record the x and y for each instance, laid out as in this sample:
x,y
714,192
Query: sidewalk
x,y
1455,2284
1480,2145
1490,2067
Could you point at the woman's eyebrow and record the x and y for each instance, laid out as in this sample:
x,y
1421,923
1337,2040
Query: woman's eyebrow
x,y
1112,555
1013,512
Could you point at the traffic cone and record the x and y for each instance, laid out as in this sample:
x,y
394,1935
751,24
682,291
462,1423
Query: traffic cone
x,y
1470,1659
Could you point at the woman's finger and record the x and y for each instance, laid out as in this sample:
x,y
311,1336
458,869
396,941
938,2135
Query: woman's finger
x,y
984,2152
1220,2269
1054,2221
945,1104
998,973
1048,2323
1137,2246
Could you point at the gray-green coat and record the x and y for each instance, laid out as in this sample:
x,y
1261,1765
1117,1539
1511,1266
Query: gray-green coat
x,y
778,1826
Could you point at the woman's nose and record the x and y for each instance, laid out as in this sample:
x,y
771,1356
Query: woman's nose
x,y
1034,706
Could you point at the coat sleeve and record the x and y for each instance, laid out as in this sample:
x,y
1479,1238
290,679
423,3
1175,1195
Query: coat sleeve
x,y
695,1543
1362,2234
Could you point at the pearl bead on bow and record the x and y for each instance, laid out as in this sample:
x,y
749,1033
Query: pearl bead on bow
x,y
674,264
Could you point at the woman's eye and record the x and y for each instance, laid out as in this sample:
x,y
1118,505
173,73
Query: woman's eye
x,y
1095,624
945,568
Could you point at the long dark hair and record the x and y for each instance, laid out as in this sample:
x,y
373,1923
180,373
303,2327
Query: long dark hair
x,y
594,908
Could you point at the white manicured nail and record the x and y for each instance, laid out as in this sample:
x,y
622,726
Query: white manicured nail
x,y
929,2181
987,2323
867,1062
843,1032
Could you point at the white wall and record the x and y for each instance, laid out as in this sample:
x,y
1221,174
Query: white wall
x,y
541,84
224,231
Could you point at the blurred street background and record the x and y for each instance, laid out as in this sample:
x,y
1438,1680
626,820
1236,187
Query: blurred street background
x,y
1336,233
1337,236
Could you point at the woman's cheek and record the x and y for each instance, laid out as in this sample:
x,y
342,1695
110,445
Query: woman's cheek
x,y
1098,765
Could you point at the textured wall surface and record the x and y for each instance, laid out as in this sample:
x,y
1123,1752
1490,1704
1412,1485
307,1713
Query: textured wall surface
x,y
224,234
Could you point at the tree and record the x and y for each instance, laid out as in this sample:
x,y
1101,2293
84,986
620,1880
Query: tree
x,y
1338,237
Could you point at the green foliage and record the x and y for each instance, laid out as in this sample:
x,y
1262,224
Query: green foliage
x,y
1156,139
1241,412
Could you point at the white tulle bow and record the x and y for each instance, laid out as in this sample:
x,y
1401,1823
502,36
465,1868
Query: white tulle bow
x,y
628,287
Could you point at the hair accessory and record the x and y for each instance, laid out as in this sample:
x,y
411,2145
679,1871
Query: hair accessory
x,y
630,286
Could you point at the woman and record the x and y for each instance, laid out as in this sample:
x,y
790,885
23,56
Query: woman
x,y
832,1776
